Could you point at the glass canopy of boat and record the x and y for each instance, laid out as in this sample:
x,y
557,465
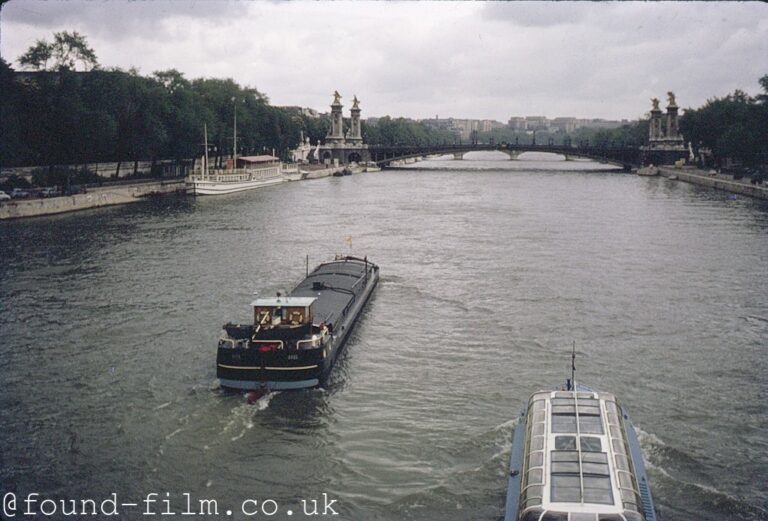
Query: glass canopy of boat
x,y
577,464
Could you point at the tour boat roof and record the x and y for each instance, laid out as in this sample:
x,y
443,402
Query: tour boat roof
x,y
257,159
577,459
297,302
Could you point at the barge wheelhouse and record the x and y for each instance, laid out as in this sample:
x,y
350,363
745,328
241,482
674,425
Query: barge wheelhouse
x,y
576,457
295,340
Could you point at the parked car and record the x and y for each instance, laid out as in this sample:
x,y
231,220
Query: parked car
x,y
20,193
4,196
74,189
50,191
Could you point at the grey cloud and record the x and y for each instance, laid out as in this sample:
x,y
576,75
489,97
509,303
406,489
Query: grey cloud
x,y
420,59
117,19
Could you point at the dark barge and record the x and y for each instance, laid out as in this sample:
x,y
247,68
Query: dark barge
x,y
295,340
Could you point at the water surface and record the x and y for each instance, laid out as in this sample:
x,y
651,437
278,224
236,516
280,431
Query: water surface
x,y
490,270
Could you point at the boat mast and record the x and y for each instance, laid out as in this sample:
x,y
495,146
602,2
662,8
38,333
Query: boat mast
x,y
234,139
205,134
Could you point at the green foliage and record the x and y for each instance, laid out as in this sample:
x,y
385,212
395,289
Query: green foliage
x,y
70,117
67,49
734,127
37,56
401,131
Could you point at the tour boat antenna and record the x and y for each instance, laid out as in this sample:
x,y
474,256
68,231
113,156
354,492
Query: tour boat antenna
x,y
573,366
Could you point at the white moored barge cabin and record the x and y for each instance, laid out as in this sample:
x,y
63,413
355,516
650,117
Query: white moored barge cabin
x,y
577,463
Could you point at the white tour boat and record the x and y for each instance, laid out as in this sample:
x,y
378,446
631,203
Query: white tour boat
x,y
576,457
244,173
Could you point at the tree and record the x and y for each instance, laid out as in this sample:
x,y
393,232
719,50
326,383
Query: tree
x,y
37,56
67,49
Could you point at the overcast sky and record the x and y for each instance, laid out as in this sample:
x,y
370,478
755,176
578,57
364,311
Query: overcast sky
x,y
422,59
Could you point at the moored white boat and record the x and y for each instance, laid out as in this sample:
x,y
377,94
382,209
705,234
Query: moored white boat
x,y
249,173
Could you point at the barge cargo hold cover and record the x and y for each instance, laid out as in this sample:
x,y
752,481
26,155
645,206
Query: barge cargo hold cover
x,y
295,340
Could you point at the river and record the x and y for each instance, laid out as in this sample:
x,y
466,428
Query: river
x,y
490,270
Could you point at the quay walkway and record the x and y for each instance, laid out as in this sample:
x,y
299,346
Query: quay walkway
x,y
723,182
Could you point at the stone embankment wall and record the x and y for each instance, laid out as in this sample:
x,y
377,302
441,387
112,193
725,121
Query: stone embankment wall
x,y
718,181
96,197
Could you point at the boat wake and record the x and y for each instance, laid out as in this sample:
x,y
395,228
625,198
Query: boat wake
x,y
660,457
240,420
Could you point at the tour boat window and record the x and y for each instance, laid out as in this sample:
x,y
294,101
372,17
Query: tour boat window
x,y
534,492
590,444
563,409
625,480
594,457
597,489
594,468
589,409
566,488
563,423
535,476
590,425
564,455
537,443
565,442
564,467
555,516
621,462
536,459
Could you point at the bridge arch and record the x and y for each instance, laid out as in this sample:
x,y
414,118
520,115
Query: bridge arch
x,y
624,157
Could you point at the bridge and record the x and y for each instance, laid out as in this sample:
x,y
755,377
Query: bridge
x,y
623,156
